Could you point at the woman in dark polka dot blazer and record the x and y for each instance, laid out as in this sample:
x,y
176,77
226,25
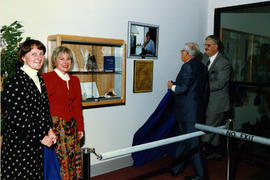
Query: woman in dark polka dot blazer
x,y
26,116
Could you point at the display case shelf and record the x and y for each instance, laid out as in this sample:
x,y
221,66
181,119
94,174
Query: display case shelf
x,y
99,63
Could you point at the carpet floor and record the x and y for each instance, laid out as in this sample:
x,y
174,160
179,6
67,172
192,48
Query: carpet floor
x,y
217,170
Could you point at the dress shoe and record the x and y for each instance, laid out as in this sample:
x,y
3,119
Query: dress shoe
x,y
193,178
174,173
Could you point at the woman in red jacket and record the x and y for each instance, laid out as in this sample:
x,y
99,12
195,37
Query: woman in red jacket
x,y
64,95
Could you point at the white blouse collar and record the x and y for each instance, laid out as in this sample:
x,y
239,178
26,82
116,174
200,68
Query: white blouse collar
x,y
29,71
61,75
32,73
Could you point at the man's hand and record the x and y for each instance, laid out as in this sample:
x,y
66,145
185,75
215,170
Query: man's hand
x,y
170,84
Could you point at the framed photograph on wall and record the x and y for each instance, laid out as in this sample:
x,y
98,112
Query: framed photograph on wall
x,y
143,76
142,40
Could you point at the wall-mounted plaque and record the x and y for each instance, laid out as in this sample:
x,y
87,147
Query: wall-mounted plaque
x,y
143,76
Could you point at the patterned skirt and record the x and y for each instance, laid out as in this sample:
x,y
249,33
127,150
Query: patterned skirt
x,y
67,148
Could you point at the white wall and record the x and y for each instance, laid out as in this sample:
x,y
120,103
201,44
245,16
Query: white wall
x,y
112,128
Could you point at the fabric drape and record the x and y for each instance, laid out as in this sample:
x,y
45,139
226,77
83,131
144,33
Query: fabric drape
x,y
160,125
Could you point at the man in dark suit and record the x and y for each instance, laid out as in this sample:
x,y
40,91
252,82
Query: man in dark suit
x,y
191,95
219,77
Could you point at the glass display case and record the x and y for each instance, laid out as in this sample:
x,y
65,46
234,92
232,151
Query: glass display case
x,y
99,63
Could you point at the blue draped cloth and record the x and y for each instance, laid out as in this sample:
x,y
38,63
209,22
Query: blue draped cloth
x,y
160,125
51,165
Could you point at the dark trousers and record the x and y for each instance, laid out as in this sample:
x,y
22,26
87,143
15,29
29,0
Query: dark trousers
x,y
188,150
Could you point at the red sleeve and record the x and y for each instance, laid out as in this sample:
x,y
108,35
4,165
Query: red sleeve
x,y
77,104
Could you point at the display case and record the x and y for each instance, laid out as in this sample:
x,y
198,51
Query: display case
x,y
99,63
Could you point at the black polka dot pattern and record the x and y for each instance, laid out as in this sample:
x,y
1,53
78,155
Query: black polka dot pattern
x,y
26,121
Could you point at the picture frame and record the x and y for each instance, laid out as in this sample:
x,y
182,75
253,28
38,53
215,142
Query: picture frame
x,y
142,40
143,76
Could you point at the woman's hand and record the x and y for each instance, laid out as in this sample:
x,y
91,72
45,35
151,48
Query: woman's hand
x,y
80,135
52,136
46,141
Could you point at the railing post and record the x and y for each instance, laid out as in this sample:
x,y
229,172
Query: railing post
x,y
228,125
86,163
